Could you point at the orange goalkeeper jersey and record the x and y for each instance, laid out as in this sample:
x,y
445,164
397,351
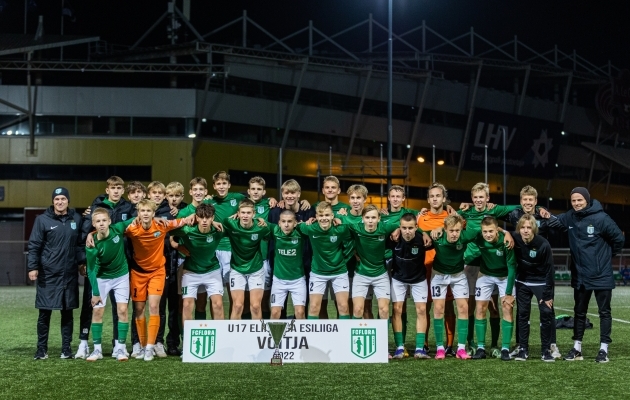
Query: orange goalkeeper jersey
x,y
429,222
148,244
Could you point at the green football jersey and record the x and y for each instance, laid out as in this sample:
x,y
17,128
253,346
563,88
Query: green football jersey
x,y
395,216
473,220
187,211
202,248
349,246
224,208
336,208
107,260
287,262
262,211
245,242
497,260
371,247
449,257
327,247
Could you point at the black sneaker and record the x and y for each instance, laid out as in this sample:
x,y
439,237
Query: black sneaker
x,y
480,354
520,356
505,355
426,349
66,354
575,355
40,354
173,351
547,357
602,357
450,352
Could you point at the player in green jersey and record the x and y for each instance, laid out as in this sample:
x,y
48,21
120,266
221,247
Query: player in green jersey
x,y
329,264
246,260
369,239
498,268
107,271
288,272
448,271
201,266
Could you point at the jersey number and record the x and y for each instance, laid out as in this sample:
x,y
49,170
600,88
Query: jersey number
x,y
232,282
310,287
435,291
478,291
273,298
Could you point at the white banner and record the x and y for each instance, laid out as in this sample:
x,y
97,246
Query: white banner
x,y
321,341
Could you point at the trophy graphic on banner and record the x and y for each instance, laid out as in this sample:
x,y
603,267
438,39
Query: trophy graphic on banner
x,y
276,331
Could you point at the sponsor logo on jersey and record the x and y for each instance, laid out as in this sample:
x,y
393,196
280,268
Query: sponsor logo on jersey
x,y
254,236
260,209
203,342
124,216
333,239
294,241
499,253
532,253
363,342
73,225
414,251
590,230
210,239
381,238
233,202
116,239
156,234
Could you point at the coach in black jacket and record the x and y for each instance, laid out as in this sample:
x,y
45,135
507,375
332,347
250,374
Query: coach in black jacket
x,y
594,239
53,257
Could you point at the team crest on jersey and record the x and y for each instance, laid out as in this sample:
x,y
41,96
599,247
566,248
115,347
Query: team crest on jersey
x,y
499,253
590,230
333,239
414,251
459,246
233,202
156,234
381,238
363,342
254,236
73,225
116,239
294,241
203,342
124,216
260,209
209,239
532,253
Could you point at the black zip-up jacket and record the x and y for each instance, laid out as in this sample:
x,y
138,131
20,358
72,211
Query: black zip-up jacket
x,y
54,250
545,225
594,239
534,262
408,259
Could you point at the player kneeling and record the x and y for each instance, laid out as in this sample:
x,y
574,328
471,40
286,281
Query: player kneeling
x,y
288,272
409,273
201,267
107,270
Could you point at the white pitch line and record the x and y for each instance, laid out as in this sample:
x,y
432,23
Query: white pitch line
x,y
592,315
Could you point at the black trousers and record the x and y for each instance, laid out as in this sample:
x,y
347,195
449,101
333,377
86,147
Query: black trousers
x,y
524,294
582,296
517,331
85,318
43,327
169,302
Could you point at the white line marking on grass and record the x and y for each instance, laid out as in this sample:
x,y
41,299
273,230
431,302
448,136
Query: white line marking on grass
x,y
592,315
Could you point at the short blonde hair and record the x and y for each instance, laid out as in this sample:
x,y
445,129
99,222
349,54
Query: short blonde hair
x,y
453,220
245,203
198,181
291,186
156,185
115,181
147,203
438,185
527,218
322,206
331,178
100,210
221,175
368,208
479,187
358,189
529,191
175,188
257,179
396,188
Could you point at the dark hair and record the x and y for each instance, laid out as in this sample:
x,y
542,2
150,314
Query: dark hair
x,y
408,217
489,220
205,210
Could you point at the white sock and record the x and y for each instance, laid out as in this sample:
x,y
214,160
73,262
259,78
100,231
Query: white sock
x,y
400,347
98,347
578,345
440,348
149,347
604,346
461,346
120,345
84,343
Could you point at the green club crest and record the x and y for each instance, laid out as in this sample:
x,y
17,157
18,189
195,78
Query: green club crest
x,y
116,239
333,239
363,342
202,342
260,209
209,239
414,251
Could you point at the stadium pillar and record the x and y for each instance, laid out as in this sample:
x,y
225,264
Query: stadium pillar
x,y
390,86
524,91
357,118
471,111
416,124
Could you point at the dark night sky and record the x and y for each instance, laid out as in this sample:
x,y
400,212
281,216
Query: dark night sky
x,y
597,30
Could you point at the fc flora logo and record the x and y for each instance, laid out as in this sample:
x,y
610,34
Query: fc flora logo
x,y
363,342
202,342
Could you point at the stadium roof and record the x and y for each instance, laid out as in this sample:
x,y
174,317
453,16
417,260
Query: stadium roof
x,y
19,43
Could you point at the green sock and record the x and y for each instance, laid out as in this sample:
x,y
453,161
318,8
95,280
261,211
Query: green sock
x,y
506,330
313,317
123,328
398,339
353,317
404,326
480,328
344,317
266,314
438,328
420,340
97,332
201,315
462,331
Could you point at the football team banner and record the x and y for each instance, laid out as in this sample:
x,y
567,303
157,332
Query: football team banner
x,y
532,145
304,341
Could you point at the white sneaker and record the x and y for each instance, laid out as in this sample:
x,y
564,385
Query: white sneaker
x,y
121,354
119,346
136,350
515,352
96,355
148,354
140,354
82,352
159,350
555,351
